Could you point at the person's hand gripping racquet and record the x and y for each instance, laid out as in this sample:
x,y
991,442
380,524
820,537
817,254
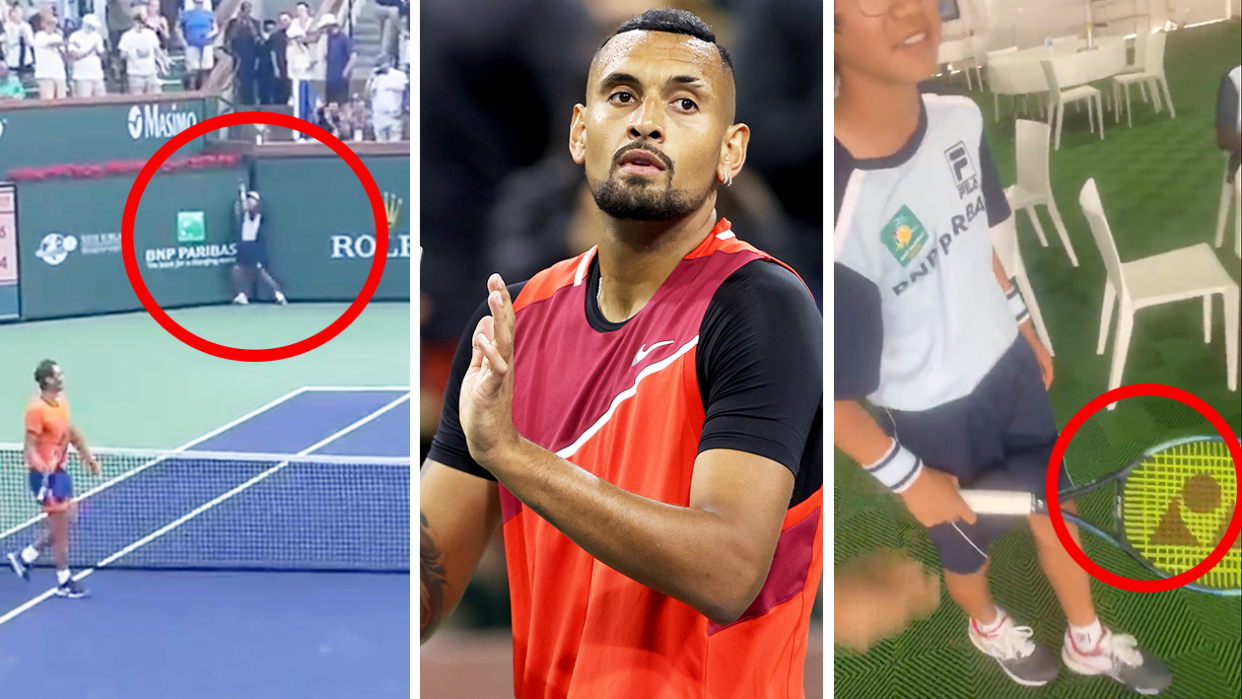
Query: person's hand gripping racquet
x,y
934,498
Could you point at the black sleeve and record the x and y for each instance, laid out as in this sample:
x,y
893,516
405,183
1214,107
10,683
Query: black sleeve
x,y
448,446
760,367
1227,105
843,169
993,191
858,329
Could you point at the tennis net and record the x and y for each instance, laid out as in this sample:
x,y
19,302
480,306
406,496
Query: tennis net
x,y
222,511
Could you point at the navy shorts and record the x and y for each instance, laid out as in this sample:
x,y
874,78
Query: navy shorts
x,y
57,485
1000,437
251,253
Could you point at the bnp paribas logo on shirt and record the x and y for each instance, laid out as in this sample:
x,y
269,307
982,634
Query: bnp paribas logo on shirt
x,y
904,236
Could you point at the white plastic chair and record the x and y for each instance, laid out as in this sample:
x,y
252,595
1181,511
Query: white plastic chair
x,y
1058,98
1189,273
979,58
1034,187
1000,79
1005,243
1152,75
1237,223
1228,200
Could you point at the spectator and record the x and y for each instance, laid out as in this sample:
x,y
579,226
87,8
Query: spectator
x,y
86,54
157,22
140,49
119,17
265,72
387,93
198,30
18,43
49,53
275,53
10,86
332,118
339,58
300,62
393,14
243,37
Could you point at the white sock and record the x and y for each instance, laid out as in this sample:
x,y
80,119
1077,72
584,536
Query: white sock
x,y
30,554
63,576
1086,638
989,629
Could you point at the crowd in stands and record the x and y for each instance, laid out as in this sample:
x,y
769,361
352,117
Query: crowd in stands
x,y
295,59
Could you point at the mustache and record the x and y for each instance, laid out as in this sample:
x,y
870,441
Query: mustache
x,y
643,146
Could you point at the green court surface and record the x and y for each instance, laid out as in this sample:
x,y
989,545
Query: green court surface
x,y
133,385
1160,182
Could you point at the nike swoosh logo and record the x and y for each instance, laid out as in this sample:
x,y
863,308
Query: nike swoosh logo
x,y
643,351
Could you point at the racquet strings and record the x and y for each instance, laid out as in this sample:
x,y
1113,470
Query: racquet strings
x,y
1175,506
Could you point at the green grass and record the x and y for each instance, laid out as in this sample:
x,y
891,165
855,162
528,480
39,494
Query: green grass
x,y
1160,183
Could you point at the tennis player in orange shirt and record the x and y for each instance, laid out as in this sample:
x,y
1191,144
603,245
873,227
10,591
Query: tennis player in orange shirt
x,y
49,433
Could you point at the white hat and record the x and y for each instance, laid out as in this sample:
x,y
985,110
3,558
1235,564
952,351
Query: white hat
x,y
327,20
92,21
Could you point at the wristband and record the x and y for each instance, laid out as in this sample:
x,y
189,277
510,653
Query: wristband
x,y
898,469
1017,306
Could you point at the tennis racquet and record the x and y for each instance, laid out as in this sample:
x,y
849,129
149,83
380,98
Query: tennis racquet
x,y
1173,506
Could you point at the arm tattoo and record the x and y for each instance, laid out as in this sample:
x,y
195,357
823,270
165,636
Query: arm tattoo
x,y
432,579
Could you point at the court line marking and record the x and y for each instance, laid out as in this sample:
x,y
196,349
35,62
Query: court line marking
x,y
355,389
184,447
34,602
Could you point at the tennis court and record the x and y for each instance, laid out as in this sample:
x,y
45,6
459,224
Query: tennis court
x,y
254,528
217,631
1160,183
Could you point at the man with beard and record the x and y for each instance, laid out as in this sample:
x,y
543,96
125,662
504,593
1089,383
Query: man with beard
x,y
645,419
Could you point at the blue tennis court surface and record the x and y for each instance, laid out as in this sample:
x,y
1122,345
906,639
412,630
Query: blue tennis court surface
x,y
233,578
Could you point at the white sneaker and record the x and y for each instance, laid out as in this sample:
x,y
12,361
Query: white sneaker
x,y
280,298
1118,656
241,300
1026,662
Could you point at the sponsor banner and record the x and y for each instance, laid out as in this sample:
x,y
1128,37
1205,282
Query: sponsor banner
x,y
9,302
43,134
319,230
72,262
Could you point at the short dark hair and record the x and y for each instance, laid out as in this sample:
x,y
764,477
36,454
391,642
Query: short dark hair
x,y
44,371
673,22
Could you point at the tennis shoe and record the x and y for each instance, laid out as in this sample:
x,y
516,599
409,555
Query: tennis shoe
x,y
1118,656
15,562
280,298
1026,662
71,589
241,300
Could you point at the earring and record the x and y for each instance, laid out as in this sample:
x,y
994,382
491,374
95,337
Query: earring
x,y
728,180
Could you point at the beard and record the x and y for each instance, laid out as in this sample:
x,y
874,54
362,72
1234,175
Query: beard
x,y
630,197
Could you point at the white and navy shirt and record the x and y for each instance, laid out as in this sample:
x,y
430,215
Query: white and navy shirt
x,y
250,227
920,317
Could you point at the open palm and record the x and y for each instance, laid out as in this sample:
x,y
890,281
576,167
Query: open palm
x,y
486,405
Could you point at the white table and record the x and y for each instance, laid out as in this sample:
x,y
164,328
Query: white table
x,y
1020,72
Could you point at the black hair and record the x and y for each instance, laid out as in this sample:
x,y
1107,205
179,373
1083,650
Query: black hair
x,y
44,371
673,22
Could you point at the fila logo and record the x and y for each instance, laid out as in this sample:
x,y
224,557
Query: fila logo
x,y
965,177
643,351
